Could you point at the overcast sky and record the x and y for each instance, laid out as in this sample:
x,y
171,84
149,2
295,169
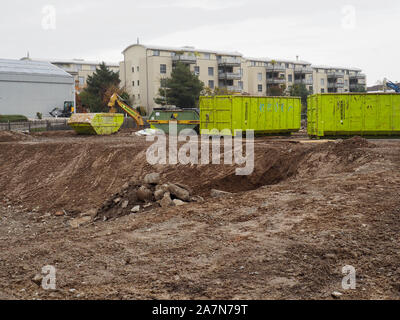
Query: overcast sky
x,y
355,33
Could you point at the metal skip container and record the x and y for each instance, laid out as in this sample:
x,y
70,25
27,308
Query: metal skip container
x,y
264,115
353,114
183,118
96,123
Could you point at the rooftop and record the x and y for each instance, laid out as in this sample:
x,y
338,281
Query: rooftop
x,y
71,61
335,68
31,67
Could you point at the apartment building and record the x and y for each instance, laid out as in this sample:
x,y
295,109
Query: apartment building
x,y
329,79
144,67
78,68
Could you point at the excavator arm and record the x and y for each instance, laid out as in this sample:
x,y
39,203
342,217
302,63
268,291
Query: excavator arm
x,y
115,98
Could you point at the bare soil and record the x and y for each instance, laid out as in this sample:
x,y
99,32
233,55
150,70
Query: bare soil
x,y
309,209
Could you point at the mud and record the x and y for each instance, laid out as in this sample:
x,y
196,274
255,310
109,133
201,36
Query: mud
x,y
308,210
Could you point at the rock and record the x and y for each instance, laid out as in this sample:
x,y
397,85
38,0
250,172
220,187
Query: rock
x,y
337,295
77,222
186,187
159,194
197,199
178,202
179,192
152,178
218,193
37,279
125,186
144,194
166,201
91,213
135,209
59,213
330,256
125,204
117,200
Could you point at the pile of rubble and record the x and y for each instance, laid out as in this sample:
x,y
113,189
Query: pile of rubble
x,y
144,196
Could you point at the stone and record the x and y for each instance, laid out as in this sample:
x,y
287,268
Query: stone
x,y
218,193
117,200
77,222
197,199
166,201
159,194
144,194
135,209
179,192
90,213
125,186
59,213
125,204
152,178
178,202
37,279
186,187
337,295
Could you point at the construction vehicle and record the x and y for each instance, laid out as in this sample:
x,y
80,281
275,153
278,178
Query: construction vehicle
x,y
116,99
104,123
392,86
66,112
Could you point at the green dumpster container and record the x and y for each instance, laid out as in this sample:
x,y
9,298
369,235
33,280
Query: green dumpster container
x,y
353,114
183,118
222,115
96,123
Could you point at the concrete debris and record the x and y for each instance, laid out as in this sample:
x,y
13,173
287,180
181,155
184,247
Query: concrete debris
x,y
125,204
135,209
152,178
179,192
159,194
178,202
144,194
218,193
337,295
166,201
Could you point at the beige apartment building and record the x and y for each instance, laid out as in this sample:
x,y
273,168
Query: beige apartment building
x,y
78,68
144,67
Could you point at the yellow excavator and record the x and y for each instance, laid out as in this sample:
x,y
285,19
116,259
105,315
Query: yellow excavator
x,y
115,98
104,123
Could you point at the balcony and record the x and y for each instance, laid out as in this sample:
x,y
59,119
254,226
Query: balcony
x,y
276,68
335,85
357,85
234,89
335,74
276,81
307,82
358,76
184,58
229,75
230,62
303,70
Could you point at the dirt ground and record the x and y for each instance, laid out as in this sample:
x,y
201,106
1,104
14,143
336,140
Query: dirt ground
x,y
286,231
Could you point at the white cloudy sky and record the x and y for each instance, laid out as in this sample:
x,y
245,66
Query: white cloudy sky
x,y
322,32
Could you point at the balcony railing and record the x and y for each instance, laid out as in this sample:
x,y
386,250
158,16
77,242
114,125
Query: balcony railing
x,y
358,76
357,85
276,81
234,89
184,58
305,70
309,82
276,68
229,61
230,75
335,85
335,74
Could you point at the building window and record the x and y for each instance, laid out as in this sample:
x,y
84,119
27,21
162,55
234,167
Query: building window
x,y
156,53
138,83
133,69
137,69
322,82
93,68
240,85
260,88
290,78
211,71
163,68
207,56
253,63
81,81
196,70
322,90
133,83
259,76
211,84
346,82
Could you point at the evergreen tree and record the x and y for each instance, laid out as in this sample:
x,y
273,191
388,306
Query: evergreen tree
x,y
182,89
300,90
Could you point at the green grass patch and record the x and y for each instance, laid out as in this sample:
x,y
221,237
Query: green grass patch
x,y
12,118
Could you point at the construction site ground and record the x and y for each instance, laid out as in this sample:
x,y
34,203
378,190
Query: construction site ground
x,y
286,231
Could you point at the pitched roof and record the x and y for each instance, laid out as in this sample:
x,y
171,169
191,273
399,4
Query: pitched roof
x,y
31,67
